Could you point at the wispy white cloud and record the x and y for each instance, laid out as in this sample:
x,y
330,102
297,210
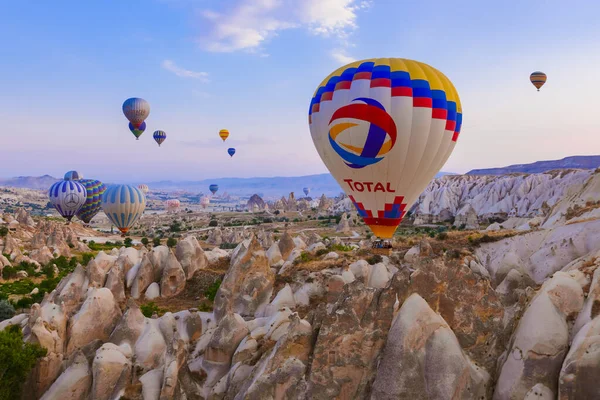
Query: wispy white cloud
x,y
341,56
250,23
184,73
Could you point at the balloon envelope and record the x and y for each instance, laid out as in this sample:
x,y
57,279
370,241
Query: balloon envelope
x,y
384,127
93,201
67,197
137,132
205,201
213,188
136,110
73,176
144,188
123,205
159,137
538,79
224,134
231,151
172,204
306,191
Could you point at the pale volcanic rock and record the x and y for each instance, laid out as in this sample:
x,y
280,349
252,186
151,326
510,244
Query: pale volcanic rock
x,y
466,217
47,325
248,283
130,327
111,372
256,204
535,355
173,278
422,358
286,245
96,319
152,292
274,255
74,383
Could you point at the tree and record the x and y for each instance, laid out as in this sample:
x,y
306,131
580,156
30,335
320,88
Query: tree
x,y
213,222
145,241
3,231
7,311
128,242
171,242
16,360
156,241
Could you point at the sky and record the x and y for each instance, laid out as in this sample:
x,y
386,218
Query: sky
x,y
251,66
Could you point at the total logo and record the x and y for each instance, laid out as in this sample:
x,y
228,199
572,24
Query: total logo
x,y
378,133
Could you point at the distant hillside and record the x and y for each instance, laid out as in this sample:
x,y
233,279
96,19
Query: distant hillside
x,y
578,162
266,187
29,182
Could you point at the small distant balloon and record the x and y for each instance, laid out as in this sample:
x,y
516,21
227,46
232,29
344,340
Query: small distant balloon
x,y
172,204
67,196
224,134
231,151
136,110
159,137
213,188
538,79
73,176
205,201
144,188
306,191
93,201
137,132
123,205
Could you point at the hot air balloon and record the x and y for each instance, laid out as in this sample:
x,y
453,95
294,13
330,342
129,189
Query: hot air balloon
x,y
136,110
137,132
172,204
93,202
160,137
231,151
306,191
384,127
538,79
67,196
73,176
144,188
204,201
213,188
224,134
123,205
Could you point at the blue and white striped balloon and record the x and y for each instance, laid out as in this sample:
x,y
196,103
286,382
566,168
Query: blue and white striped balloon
x,y
67,197
123,205
73,176
136,110
160,137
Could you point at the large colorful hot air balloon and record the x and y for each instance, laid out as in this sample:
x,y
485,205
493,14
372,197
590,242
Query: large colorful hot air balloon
x,y
93,202
213,188
123,205
67,197
306,191
224,134
144,188
172,204
73,176
204,201
159,137
136,110
137,132
231,151
384,127
538,79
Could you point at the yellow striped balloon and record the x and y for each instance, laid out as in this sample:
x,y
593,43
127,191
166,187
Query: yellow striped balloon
x,y
538,79
224,134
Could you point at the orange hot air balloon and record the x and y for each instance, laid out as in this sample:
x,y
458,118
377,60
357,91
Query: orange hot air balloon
x,y
224,134
538,79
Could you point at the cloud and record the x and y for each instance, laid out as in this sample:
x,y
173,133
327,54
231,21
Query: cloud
x,y
184,73
341,56
250,23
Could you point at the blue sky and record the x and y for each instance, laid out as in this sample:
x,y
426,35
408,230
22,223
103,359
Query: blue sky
x,y
252,65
